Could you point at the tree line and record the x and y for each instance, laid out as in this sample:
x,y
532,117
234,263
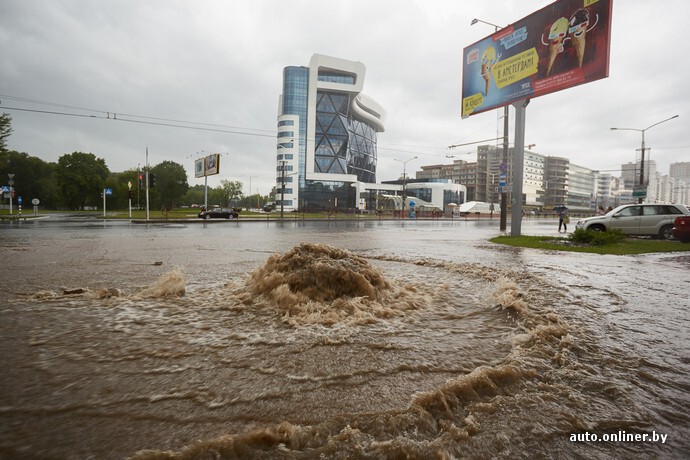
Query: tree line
x,y
78,179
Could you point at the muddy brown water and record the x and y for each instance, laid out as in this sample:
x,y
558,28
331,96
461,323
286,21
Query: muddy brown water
x,y
334,340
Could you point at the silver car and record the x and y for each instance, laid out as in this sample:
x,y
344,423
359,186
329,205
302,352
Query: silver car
x,y
637,219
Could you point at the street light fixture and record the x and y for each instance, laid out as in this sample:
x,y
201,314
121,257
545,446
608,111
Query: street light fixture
x,y
475,20
404,180
451,147
642,147
458,154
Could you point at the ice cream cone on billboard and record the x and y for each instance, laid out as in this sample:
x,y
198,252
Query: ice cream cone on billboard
x,y
486,74
577,28
555,47
579,43
557,34
488,60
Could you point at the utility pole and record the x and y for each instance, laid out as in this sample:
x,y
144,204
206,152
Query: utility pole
x,y
11,183
404,190
147,184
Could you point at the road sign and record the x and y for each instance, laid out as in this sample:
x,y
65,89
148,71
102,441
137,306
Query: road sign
x,y
502,180
35,202
108,191
19,200
503,167
640,191
5,189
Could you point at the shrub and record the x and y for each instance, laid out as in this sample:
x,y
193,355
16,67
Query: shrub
x,y
596,238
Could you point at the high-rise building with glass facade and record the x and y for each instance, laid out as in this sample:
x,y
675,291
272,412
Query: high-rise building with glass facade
x,y
327,133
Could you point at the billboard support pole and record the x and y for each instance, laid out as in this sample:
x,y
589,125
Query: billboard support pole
x,y
518,167
504,195
205,191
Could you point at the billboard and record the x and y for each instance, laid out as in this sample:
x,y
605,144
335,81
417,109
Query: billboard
x,y
564,44
199,168
207,166
212,164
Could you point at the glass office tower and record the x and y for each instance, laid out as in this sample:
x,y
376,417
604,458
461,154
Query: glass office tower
x,y
327,131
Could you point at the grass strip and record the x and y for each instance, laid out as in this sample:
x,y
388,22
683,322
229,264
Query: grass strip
x,y
629,246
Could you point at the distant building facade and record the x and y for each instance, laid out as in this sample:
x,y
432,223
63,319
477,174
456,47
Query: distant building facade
x,y
460,172
680,171
630,173
548,181
667,189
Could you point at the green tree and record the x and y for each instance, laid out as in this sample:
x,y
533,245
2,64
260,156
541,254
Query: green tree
x,y
194,195
229,191
81,178
254,201
5,131
171,184
33,177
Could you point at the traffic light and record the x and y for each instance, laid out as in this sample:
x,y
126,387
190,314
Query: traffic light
x,y
131,194
152,180
141,180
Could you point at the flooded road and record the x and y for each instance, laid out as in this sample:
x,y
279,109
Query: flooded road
x,y
341,340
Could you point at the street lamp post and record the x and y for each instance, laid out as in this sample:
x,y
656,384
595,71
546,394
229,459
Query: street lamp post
x,y
642,147
504,197
404,181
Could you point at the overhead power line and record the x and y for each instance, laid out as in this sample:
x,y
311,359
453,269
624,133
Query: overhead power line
x,y
115,118
175,123
114,115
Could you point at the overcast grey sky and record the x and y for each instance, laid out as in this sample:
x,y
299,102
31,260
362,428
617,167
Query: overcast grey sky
x,y
220,63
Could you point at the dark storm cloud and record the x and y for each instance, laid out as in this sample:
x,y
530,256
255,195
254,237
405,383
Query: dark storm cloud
x,y
221,63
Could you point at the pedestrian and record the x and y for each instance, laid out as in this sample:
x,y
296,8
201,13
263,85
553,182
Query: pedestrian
x,y
563,220
600,211
609,209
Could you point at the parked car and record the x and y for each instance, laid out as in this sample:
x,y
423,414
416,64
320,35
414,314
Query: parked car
x,y
219,213
637,219
681,229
